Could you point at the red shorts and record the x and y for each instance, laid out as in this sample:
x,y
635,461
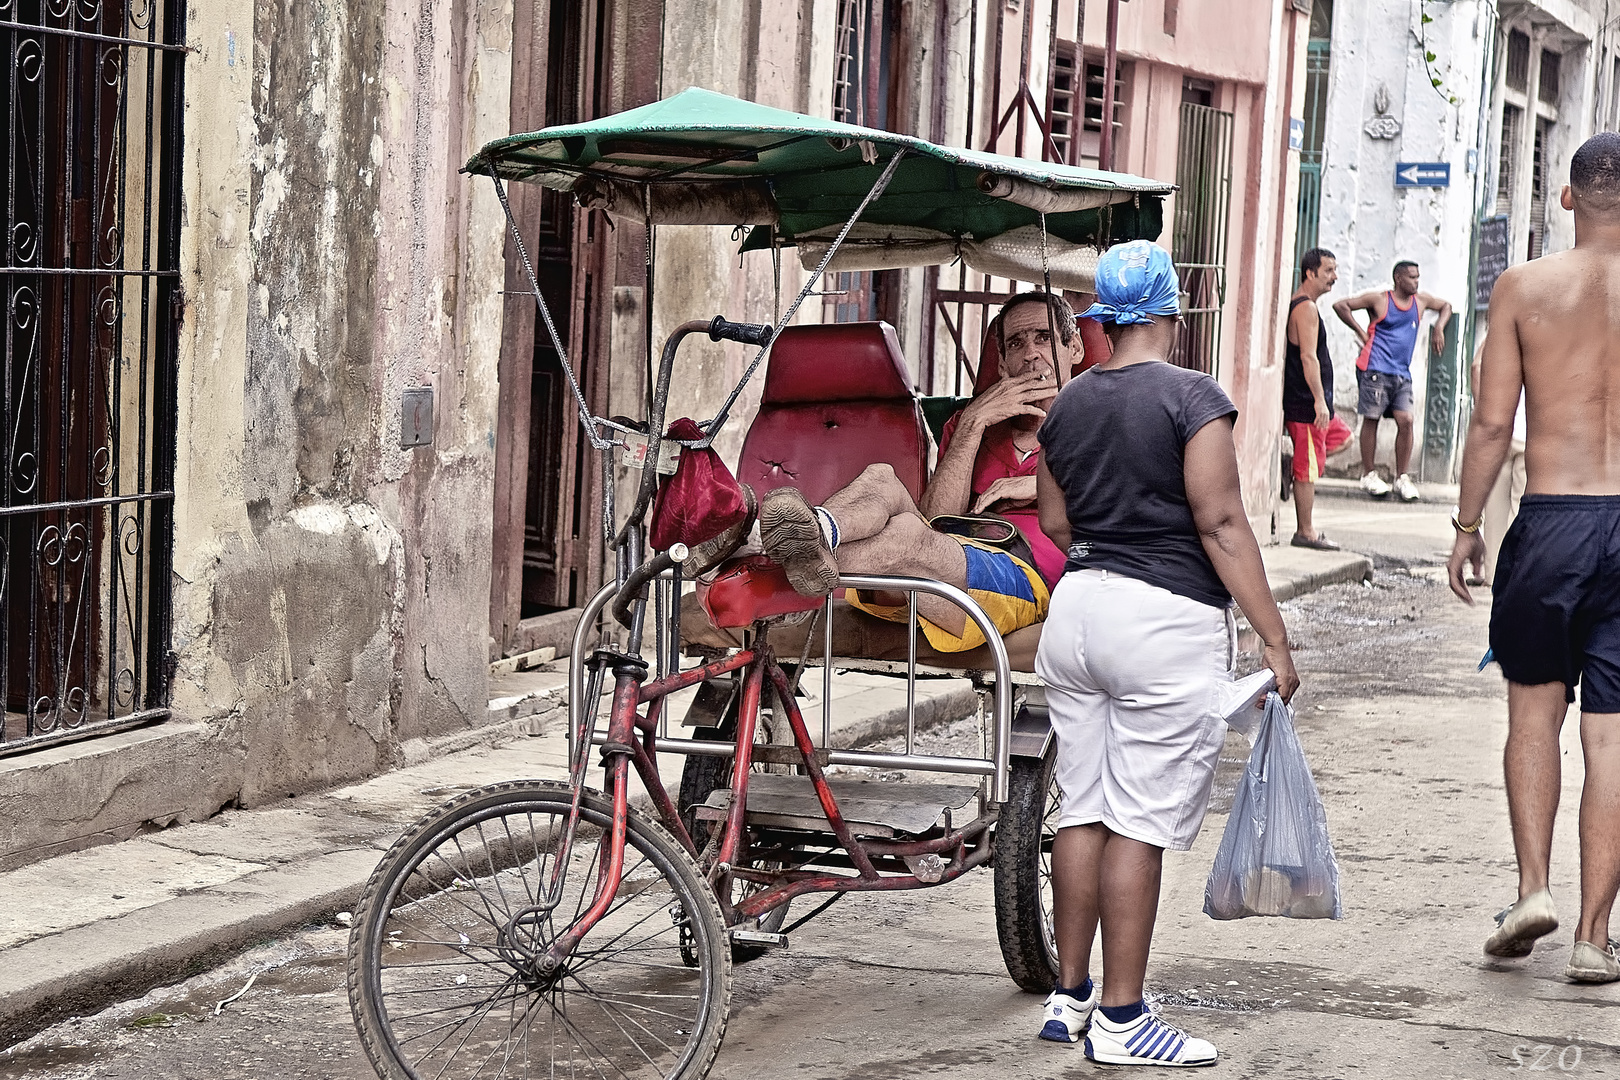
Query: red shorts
x,y
1338,434
1310,451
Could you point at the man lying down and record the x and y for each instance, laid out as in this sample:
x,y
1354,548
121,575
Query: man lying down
x,y
988,460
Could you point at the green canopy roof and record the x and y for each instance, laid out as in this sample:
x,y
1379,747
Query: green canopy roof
x,y
699,157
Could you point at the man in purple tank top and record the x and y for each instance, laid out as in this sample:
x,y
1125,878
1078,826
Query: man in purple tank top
x,y
1384,369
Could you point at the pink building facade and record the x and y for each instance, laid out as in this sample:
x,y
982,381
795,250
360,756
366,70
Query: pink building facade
x,y
1206,93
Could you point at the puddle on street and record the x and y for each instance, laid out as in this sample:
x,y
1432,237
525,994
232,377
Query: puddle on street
x,y
1252,987
20,1063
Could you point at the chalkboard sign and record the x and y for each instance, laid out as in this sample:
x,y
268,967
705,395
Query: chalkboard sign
x,y
1493,258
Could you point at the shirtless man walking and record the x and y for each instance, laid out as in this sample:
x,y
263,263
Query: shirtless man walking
x,y
1555,621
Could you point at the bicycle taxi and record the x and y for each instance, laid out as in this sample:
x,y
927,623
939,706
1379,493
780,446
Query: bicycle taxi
x,y
542,927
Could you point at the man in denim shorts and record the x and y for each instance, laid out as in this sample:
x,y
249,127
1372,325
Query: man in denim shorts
x,y
1555,617
1384,369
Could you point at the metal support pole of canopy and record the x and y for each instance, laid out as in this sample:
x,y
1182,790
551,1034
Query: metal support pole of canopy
x,y
713,426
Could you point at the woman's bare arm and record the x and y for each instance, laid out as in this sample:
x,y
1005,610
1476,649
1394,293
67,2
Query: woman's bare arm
x,y
1216,499
1052,508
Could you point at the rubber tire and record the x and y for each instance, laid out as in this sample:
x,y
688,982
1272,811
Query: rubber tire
x,y
1022,920
701,775
401,860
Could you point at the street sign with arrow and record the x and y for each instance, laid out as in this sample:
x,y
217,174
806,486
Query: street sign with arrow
x,y
1423,174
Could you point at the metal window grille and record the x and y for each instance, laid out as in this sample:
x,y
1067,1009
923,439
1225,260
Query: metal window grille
x,y
1614,96
1065,88
1310,155
1548,89
848,48
1322,20
1203,201
1090,143
1518,61
1506,154
1538,191
91,94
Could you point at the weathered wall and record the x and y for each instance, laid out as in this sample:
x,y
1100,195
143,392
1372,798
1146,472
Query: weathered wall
x,y
1365,220
329,597
1254,53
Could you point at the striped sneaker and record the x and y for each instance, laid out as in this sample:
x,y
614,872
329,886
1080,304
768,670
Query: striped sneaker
x,y
1147,1040
1066,1016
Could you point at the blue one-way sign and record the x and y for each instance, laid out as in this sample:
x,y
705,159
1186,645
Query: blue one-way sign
x,y
1422,174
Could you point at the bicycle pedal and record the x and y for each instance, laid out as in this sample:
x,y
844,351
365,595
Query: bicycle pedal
x,y
763,938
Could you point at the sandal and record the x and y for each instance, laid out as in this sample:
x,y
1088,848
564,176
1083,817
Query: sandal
x,y
1319,542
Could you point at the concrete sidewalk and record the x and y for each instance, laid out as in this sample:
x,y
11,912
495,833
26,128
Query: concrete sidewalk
x,y
85,929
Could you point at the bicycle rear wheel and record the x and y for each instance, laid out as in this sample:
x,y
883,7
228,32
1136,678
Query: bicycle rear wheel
x,y
442,979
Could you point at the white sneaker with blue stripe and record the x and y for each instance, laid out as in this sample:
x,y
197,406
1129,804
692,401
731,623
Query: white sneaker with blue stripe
x,y
1147,1040
1066,1016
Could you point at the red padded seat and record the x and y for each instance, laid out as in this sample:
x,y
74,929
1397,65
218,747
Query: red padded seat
x,y
837,398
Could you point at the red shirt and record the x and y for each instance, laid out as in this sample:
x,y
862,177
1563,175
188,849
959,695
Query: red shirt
x,y
998,458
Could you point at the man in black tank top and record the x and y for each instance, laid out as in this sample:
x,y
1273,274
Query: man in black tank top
x,y
1308,390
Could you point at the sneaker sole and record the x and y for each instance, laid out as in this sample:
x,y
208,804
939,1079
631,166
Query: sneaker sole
x,y
1591,975
1062,1040
1522,941
1127,1059
790,534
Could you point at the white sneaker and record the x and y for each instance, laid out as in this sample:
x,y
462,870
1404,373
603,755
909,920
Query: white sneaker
x,y
1147,1040
1066,1017
1374,485
1405,488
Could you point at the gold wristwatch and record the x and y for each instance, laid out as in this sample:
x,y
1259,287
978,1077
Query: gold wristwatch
x,y
1457,524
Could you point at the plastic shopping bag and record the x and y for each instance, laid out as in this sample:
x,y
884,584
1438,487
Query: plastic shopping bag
x,y
1275,857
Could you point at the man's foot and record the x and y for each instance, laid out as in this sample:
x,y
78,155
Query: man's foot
x,y
1147,1040
1319,542
1406,489
790,534
1066,1015
1518,927
1374,485
1590,964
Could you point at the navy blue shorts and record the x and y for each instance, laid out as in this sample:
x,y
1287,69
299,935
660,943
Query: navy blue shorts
x,y
1555,616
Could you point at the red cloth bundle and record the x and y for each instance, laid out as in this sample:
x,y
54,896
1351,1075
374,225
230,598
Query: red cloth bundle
x,y
701,501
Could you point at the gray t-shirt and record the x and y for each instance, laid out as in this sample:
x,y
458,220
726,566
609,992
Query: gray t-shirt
x,y
1115,442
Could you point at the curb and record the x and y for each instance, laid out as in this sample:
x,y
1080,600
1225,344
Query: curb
x,y
1351,571
77,972
49,979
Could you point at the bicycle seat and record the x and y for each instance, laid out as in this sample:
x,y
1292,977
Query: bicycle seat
x,y
837,398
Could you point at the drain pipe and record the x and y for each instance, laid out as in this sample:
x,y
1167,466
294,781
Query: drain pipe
x,y
1105,145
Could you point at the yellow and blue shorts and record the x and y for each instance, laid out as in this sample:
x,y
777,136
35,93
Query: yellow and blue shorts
x,y
1009,590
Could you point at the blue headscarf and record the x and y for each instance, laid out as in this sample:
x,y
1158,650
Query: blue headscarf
x,y
1135,280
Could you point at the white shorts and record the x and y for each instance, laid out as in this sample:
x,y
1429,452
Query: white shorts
x,y
1137,680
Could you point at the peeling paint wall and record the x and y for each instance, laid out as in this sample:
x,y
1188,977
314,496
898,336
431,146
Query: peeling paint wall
x,y
1369,223
331,588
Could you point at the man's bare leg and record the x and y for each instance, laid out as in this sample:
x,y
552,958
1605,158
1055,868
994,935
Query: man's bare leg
x,y
1403,443
1600,826
881,531
1531,764
1076,898
1129,905
1304,503
1369,443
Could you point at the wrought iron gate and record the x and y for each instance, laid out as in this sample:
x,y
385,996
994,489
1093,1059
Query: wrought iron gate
x,y
1204,176
91,95
1317,61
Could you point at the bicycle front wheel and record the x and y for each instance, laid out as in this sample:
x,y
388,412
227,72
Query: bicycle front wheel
x,y
443,981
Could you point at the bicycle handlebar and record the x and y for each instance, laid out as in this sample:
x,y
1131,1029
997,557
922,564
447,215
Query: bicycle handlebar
x,y
640,576
746,333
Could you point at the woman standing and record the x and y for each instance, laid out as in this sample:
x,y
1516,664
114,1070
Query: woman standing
x,y
1139,484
